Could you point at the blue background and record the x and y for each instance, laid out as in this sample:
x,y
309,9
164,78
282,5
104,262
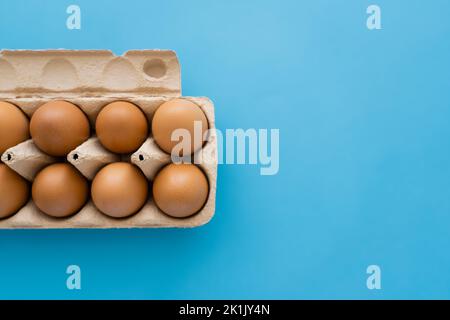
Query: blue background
x,y
364,146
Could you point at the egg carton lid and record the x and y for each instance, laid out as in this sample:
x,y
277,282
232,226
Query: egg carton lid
x,y
27,73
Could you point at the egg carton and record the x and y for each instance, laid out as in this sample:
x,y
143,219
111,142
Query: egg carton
x,y
91,79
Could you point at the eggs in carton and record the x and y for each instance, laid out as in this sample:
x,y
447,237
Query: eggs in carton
x,y
93,80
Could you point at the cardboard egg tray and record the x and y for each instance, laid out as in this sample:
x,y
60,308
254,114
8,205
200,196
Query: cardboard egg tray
x,y
92,79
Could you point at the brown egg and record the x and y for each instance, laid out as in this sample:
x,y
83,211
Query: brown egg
x,y
180,190
58,127
119,190
178,114
14,191
59,190
121,127
13,126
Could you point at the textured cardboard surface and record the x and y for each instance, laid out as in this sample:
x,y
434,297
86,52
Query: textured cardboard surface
x,y
28,72
92,79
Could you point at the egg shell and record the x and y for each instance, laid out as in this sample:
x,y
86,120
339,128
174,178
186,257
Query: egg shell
x,y
59,190
14,126
121,127
58,127
119,189
14,191
180,190
178,114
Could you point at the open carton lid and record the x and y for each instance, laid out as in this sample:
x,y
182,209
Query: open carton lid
x,y
27,73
